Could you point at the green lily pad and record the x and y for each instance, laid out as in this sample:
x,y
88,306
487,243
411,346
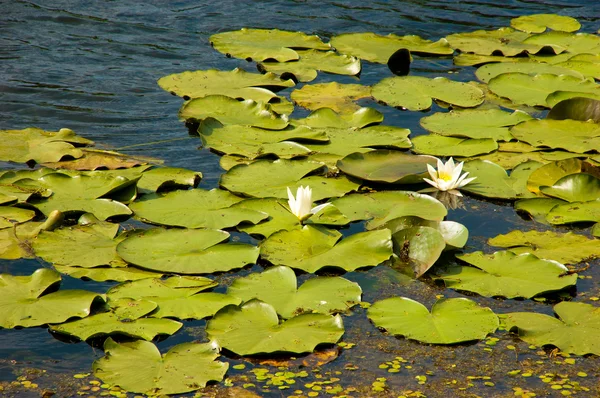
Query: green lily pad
x,y
254,328
23,302
252,142
280,217
103,274
313,247
124,318
84,246
537,23
455,235
228,110
582,109
575,212
335,96
164,178
94,159
488,72
181,209
193,251
469,59
493,181
9,216
576,43
596,230
438,145
574,332
39,146
568,248
235,84
276,176
549,173
415,93
392,167
176,297
262,44
571,135
325,117
537,208
474,123
378,208
376,48
277,286
305,68
559,96
186,367
522,88
579,187
506,274
417,248
451,320
506,41
16,243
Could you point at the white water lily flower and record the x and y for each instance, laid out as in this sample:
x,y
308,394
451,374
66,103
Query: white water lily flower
x,y
448,177
301,205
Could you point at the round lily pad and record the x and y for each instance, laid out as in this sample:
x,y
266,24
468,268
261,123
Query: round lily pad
x,y
537,23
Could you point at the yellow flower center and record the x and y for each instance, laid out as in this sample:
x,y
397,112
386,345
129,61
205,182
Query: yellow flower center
x,y
445,176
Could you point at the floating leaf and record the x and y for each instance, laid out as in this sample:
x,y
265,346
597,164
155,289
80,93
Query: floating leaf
x,y
579,187
163,178
325,117
537,208
376,48
228,110
276,176
338,97
23,302
505,41
575,332
522,88
93,159
277,286
566,248
575,212
254,328
454,234
417,248
537,23
576,109
474,123
558,96
183,251
305,69
280,217
493,181
392,167
195,208
9,216
468,59
437,145
572,135
549,173
103,274
488,72
262,44
415,93
577,43
312,248
125,318
186,367
39,146
506,274
451,320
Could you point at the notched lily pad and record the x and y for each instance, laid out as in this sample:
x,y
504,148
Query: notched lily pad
x,y
537,23
493,181
338,97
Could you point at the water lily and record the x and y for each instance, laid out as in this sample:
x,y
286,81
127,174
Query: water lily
x,y
301,205
448,177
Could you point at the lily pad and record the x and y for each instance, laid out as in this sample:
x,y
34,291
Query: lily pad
x,y
23,302
574,332
124,318
582,109
183,209
504,41
415,93
376,48
103,274
488,72
572,135
254,328
280,218
311,61
575,212
493,181
277,286
438,145
577,43
165,178
559,96
186,367
566,248
474,123
9,216
338,97
392,167
537,208
276,176
537,23
417,248
549,173
193,251
325,117
261,44
522,88
451,321
39,146
93,159
228,110
508,275
313,247
454,234
579,187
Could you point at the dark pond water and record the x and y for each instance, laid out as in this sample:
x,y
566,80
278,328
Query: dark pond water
x,y
93,66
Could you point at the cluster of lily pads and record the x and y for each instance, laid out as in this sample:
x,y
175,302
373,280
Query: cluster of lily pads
x,y
68,211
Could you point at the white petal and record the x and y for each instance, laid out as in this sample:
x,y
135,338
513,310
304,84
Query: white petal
x,y
318,208
432,172
431,182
